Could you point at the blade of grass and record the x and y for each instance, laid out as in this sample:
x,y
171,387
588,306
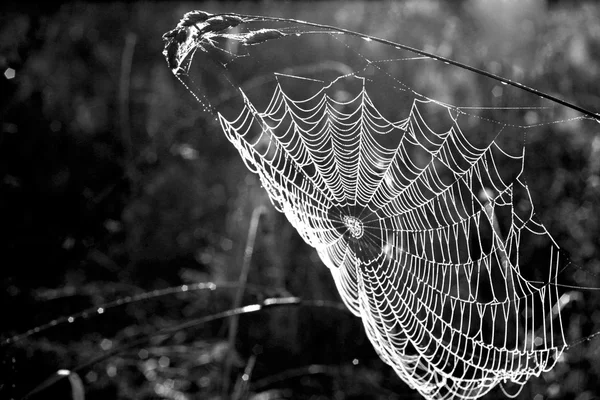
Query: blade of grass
x,y
242,385
101,309
234,320
171,331
124,87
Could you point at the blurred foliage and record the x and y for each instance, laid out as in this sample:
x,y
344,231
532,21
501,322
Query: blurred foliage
x,y
114,185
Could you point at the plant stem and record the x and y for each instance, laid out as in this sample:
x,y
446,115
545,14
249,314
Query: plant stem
x,y
237,302
124,88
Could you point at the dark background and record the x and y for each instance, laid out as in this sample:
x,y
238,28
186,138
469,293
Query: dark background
x,y
113,186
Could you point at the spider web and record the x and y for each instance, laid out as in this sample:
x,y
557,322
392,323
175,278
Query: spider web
x,y
419,208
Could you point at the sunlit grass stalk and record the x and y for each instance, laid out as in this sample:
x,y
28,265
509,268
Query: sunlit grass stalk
x,y
153,294
243,382
501,250
237,302
169,332
124,88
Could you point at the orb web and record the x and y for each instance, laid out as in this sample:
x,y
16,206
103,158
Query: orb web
x,y
419,208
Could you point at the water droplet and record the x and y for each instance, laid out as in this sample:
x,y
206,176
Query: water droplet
x,y
164,361
169,383
9,73
55,126
91,376
106,344
143,354
226,244
150,375
111,371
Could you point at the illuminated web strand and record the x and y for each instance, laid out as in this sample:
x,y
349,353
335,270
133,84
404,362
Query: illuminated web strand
x,y
406,217
400,263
